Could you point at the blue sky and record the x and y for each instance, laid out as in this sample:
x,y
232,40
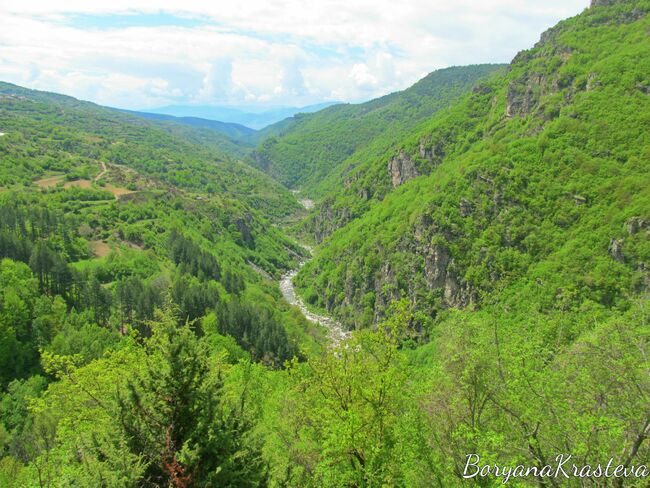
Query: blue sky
x,y
139,54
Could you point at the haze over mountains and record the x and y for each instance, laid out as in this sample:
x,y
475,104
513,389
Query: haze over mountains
x,y
254,119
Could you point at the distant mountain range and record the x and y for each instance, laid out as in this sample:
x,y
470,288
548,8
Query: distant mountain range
x,y
231,129
252,119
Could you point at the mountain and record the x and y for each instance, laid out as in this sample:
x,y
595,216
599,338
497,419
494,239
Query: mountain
x,y
175,153
253,119
94,197
309,147
233,140
486,242
504,196
230,129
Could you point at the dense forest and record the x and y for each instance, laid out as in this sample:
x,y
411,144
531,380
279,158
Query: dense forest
x,y
484,236
300,152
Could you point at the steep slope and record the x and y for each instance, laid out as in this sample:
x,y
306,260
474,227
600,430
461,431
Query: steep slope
x,y
310,147
63,131
520,344
539,188
106,217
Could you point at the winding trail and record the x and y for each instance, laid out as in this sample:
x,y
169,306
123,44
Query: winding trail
x,y
103,171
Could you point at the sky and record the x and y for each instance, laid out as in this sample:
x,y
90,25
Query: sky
x,y
140,54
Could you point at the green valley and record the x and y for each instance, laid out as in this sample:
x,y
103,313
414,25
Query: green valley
x,y
406,292
302,151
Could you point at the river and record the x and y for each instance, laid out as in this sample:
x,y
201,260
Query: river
x,y
335,331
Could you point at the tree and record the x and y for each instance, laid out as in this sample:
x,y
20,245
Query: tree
x,y
17,295
172,416
349,409
42,262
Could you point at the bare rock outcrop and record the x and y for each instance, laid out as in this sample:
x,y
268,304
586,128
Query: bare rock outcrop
x,y
439,274
605,3
328,219
625,16
436,262
616,250
635,225
465,207
579,200
432,152
401,169
524,93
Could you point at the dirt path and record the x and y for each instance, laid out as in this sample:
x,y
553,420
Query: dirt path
x,y
102,172
50,181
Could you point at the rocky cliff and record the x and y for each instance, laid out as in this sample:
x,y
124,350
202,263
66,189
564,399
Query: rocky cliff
x,y
521,173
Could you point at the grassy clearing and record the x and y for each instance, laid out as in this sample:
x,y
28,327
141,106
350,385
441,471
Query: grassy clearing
x,y
50,181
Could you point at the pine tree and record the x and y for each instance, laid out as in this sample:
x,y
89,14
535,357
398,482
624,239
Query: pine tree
x,y
173,417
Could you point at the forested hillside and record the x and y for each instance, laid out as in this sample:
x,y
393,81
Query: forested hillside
x,y
534,174
105,219
309,147
231,139
522,250
232,130
484,235
49,133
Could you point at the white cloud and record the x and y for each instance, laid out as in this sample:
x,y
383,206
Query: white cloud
x,y
362,77
259,51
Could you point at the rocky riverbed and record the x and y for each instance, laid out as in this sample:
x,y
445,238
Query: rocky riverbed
x,y
336,332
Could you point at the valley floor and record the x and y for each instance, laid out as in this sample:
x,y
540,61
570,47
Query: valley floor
x,y
335,331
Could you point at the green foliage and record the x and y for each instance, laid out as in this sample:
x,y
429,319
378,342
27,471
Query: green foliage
x,y
14,411
520,203
313,146
144,257
347,411
499,294
170,415
257,330
48,133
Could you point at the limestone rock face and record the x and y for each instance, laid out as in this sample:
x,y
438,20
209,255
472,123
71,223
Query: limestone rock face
x,y
328,220
385,291
625,17
433,153
439,273
524,94
456,295
401,169
440,269
616,249
435,267
636,224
